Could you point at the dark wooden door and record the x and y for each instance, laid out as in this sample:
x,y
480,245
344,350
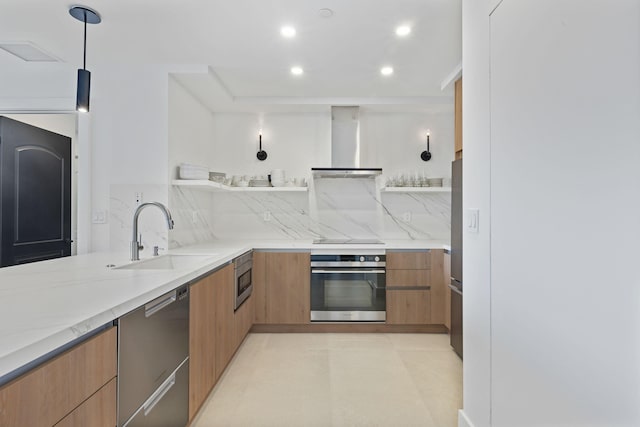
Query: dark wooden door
x,y
35,188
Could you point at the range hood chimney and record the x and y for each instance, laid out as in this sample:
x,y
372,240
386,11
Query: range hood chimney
x,y
345,147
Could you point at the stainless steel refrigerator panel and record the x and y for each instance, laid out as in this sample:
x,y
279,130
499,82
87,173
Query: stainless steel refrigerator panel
x,y
456,318
152,342
456,220
168,406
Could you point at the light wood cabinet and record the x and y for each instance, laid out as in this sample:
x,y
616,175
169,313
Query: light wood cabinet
x,y
224,302
97,411
414,260
408,278
243,320
416,287
215,332
288,293
48,393
408,307
202,366
259,293
281,290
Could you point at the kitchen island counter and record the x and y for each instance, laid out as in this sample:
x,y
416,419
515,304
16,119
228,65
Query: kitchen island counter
x,y
47,305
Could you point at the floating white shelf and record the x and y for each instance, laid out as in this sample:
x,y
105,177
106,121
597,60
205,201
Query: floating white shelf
x,y
416,189
215,186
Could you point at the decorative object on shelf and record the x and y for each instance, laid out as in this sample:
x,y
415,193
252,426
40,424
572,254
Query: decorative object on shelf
x,y
426,155
190,171
262,155
87,16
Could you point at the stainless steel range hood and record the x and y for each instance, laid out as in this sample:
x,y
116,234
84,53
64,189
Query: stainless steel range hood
x,y
345,147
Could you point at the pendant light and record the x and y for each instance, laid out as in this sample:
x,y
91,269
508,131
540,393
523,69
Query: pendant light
x,y
87,16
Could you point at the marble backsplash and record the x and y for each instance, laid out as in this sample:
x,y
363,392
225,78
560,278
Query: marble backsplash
x,y
333,208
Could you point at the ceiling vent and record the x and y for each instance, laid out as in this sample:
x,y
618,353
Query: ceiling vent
x,y
28,52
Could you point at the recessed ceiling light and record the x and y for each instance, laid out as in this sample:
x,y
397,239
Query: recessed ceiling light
x,y
288,32
386,71
403,30
297,71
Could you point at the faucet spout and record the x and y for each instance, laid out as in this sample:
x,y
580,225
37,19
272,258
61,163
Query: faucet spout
x,y
135,245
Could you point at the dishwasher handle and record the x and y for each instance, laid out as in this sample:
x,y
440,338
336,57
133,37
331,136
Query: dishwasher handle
x,y
159,394
158,304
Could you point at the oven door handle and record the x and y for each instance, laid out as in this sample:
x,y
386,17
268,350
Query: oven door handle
x,y
348,271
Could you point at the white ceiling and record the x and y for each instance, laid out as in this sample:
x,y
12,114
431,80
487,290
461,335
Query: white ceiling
x,y
244,57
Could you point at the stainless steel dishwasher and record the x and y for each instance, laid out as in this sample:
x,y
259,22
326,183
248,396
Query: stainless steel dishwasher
x,y
153,363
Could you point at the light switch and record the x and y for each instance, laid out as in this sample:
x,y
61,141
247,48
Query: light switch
x,y
99,217
266,216
473,220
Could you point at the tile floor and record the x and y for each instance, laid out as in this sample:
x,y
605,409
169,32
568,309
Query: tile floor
x,y
338,380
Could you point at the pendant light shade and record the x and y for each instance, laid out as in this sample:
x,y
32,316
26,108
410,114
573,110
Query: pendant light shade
x,y
84,90
87,16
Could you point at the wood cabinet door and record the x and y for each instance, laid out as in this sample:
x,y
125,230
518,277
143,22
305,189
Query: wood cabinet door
x,y
438,287
97,411
45,395
224,303
243,320
259,293
409,260
288,280
408,307
202,367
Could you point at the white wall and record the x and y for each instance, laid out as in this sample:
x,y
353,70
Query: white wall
x,y
130,152
394,142
295,142
563,315
63,124
476,194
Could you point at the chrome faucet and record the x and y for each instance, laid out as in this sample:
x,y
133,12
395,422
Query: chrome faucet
x,y
137,245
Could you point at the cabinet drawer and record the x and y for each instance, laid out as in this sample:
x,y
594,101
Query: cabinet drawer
x,y
408,307
418,260
97,411
43,396
411,278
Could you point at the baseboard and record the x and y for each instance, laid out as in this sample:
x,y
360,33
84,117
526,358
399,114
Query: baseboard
x,y
463,420
349,327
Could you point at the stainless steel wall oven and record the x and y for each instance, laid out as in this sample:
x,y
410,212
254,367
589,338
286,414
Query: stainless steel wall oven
x,y
348,288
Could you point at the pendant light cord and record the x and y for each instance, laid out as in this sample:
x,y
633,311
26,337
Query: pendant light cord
x,y
84,56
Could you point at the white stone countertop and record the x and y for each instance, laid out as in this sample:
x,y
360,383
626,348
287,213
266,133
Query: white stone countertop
x,y
48,304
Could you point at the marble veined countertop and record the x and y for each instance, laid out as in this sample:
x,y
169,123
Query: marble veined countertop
x,y
48,304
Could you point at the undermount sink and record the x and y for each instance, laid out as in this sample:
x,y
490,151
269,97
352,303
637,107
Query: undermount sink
x,y
168,262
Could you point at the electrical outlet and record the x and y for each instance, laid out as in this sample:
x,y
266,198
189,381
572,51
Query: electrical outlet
x,y
266,216
194,217
406,217
138,198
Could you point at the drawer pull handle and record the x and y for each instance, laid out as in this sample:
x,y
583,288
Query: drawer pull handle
x,y
159,394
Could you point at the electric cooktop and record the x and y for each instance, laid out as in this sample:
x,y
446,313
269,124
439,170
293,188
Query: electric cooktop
x,y
347,242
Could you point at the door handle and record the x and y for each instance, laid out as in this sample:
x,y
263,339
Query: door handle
x,y
454,289
155,306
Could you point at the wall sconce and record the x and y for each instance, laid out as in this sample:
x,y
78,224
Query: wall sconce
x,y
426,155
83,92
262,155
